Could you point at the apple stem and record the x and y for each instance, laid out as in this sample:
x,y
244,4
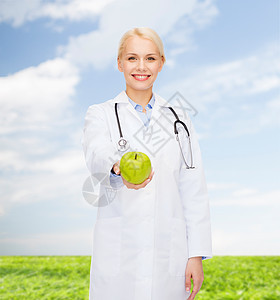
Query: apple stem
x,y
136,156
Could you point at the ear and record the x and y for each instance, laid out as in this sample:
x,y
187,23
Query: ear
x,y
120,65
161,63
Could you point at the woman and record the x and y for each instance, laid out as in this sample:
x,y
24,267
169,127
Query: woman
x,y
149,242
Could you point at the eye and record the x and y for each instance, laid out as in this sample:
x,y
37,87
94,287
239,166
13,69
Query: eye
x,y
151,58
131,57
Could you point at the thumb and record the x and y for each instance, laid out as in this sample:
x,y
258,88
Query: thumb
x,y
117,167
188,283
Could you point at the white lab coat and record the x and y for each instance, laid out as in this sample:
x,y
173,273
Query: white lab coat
x,y
143,238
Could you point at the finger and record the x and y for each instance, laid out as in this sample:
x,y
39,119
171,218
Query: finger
x,y
192,295
117,170
151,174
116,167
143,184
130,185
138,186
148,179
194,291
188,283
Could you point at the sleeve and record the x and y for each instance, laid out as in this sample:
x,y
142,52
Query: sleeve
x,y
116,181
99,150
194,195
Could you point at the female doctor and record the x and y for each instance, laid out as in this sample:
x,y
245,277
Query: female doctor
x,y
149,242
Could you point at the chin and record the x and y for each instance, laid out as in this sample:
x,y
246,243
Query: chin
x,y
139,88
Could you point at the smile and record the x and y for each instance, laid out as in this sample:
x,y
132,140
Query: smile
x,y
141,77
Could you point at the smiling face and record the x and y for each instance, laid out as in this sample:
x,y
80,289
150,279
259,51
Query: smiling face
x,y
140,63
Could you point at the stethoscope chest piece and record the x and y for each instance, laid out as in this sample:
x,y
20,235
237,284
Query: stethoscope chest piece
x,y
123,145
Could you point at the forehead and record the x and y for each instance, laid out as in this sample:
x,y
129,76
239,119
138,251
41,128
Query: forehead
x,y
136,44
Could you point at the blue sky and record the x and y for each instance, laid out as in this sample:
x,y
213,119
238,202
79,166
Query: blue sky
x,y
59,57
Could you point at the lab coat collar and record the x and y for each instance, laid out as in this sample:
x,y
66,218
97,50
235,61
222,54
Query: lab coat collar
x,y
123,98
138,107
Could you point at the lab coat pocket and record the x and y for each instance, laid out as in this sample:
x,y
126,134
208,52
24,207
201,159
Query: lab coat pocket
x,y
178,248
170,156
107,246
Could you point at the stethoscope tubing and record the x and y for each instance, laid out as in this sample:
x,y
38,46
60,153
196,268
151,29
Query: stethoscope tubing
x,y
117,116
178,140
123,144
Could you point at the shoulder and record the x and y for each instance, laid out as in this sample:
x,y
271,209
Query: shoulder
x,y
104,107
101,106
175,105
121,97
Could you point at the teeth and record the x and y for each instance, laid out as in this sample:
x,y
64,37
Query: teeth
x,y
141,77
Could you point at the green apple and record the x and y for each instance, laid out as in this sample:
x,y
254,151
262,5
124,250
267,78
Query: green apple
x,y
135,167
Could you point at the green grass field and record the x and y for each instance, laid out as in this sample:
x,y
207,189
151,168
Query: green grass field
x,y
67,277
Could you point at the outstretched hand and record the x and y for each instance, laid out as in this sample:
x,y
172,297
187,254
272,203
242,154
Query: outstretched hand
x,y
194,270
129,185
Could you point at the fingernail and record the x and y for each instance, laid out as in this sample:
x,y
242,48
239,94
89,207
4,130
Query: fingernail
x,y
187,289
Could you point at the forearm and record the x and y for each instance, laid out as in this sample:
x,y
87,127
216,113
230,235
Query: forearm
x,y
100,153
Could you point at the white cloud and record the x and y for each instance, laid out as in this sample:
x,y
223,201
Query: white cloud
x,y
36,122
248,198
2,212
37,96
270,113
67,162
43,181
231,80
74,242
17,12
245,192
99,48
252,240
73,10
220,186
234,98
63,162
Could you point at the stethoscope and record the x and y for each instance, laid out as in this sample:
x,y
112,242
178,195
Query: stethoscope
x,y
123,144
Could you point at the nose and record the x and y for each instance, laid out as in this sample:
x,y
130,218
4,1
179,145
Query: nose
x,y
141,65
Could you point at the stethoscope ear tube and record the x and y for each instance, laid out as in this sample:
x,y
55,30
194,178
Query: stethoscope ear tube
x,y
190,148
182,123
178,121
123,144
117,115
178,140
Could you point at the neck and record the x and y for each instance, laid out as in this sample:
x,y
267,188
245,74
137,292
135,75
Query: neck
x,y
140,97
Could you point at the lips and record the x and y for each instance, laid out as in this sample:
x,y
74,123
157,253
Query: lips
x,y
140,77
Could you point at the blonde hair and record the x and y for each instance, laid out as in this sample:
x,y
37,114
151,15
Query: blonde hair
x,y
143,32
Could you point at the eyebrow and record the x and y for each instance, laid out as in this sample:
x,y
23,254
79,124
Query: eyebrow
x,y
137,54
